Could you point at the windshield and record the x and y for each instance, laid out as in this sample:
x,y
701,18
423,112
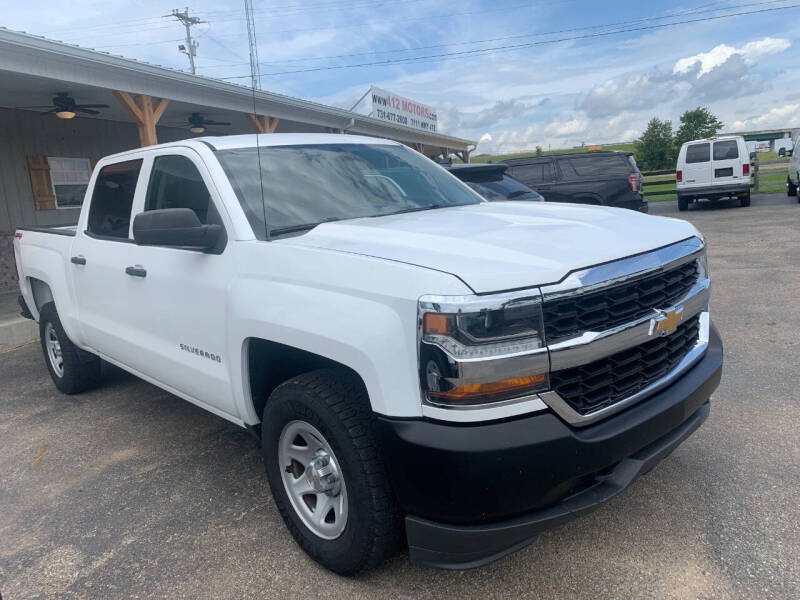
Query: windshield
x,y
506,188
305,185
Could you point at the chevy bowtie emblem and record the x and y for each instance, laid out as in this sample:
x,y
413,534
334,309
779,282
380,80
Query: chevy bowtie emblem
x,y
666,322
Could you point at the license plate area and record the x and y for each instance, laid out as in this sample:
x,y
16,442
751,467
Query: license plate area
x,y
723,172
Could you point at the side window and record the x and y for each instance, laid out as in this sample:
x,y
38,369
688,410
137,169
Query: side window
x,y
533,173
726,150
175,182
112,199
697,153
567,170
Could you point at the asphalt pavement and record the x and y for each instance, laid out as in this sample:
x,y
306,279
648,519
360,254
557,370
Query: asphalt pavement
x,y
130,492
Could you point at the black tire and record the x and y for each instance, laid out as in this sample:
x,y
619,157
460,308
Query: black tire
x,y
80,370
791,189
744,201
336,404
683,203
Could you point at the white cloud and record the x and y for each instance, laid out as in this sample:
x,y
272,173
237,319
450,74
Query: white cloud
x,y
787,115
566,128
720,54
485,138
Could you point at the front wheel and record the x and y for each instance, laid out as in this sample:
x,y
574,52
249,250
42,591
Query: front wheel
x,y
325,473
72,370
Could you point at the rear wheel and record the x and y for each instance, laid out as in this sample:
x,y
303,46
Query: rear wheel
x,y
71,369
744,200
683,203
325,473
791,189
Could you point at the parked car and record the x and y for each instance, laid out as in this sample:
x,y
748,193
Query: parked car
x,y
604,178
492,182
793,170
713,168
414,359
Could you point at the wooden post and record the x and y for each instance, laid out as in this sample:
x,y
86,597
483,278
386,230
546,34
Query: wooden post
x,y
144,114
263,124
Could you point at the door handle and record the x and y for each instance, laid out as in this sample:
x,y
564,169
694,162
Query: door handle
x,y
136,271
78,260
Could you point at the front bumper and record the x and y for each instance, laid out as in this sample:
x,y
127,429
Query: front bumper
x,y
475,492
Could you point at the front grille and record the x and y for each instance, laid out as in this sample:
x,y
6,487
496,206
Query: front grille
x,y
618,304
607,381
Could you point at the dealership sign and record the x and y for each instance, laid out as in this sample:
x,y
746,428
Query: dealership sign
x,y
387,106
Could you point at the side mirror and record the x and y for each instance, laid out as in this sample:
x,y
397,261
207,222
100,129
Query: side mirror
x,y
174,227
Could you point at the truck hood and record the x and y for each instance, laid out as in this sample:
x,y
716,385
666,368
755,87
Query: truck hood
x,y
502,245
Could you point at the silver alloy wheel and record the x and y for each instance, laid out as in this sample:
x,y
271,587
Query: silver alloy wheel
x,y
313,479
53,349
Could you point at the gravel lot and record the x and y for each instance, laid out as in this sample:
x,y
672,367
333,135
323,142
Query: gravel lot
x,y
129,492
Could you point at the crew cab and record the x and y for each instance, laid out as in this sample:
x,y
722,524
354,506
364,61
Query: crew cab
x,y
416,361
713,168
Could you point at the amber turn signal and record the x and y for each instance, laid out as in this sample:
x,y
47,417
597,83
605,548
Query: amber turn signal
x,y
475,390
436,323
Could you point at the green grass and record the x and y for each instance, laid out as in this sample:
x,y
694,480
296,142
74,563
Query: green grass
x,y
483,158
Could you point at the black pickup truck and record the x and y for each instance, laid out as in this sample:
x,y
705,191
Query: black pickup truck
x,y
605,178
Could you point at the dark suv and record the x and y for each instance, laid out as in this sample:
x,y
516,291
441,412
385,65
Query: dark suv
x,y
604,178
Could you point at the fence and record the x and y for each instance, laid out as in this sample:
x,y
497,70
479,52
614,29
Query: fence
x,y
770,179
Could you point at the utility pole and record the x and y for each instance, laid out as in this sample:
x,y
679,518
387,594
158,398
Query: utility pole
x,y
190,49
255,73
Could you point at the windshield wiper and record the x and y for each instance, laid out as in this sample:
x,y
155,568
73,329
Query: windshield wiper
x,y
414,209
517,194
301,227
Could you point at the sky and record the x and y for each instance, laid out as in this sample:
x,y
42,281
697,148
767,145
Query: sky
x,y
509,74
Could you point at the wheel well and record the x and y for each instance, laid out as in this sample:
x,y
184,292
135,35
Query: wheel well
x,y
271,363
42,294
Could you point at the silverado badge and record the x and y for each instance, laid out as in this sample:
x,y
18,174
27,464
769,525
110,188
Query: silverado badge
x,y
666,321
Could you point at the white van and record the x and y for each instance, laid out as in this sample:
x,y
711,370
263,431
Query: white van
x,y
713,168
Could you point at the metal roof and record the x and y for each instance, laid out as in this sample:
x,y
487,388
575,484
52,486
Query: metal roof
x,y
26,58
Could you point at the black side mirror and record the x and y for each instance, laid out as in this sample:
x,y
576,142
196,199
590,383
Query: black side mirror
x,y
174,227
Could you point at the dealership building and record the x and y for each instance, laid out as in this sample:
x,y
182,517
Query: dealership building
x,y
46,160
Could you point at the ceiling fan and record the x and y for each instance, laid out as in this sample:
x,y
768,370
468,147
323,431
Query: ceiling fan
x,y
65,107
198,123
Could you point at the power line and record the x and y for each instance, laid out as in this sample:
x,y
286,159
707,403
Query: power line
x,y
698,10
506,48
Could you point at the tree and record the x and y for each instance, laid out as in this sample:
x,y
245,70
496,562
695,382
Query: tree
x,y
538,150
696,124
655,148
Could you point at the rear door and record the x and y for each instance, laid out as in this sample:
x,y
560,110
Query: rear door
x,y
697,172
100,253
726,162
537,174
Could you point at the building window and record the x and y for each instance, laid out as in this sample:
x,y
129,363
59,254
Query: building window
x,y
70,178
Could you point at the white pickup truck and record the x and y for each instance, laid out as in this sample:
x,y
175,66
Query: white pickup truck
x,y
416,361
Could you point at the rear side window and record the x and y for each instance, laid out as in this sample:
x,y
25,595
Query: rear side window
x,y
592,166
175,182
533,173
112,199
697,153
726,150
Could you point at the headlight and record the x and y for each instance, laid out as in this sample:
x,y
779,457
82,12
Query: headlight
x,y
481,349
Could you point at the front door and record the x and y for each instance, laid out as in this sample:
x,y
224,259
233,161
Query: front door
x,y
181,299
